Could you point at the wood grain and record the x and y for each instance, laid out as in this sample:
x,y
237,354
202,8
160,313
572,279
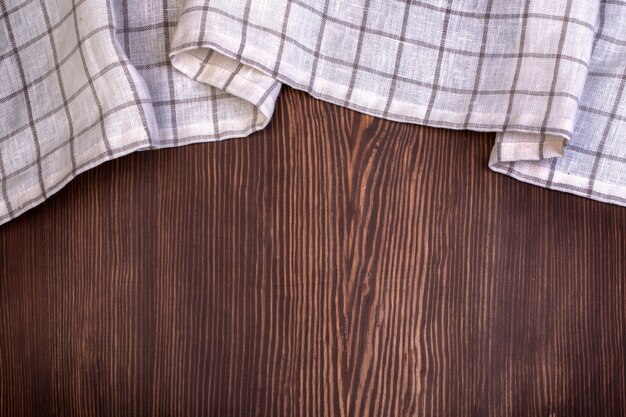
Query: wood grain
x,y
333,264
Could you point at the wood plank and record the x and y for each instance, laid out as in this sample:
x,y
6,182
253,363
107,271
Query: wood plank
x,y
333,264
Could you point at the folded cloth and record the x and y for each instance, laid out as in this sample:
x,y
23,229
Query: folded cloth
x,y
85,81
548,76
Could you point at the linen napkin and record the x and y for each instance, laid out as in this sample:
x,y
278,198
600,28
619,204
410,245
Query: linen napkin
x,y
85,81
548,76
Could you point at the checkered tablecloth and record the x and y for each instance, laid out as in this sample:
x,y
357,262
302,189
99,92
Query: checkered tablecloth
x,y
84,81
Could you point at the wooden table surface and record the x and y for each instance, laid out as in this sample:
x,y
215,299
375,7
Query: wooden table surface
x,y
333,264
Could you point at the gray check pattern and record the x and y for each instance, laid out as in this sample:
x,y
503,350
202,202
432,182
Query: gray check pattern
x,y
546,75
85,81
594,161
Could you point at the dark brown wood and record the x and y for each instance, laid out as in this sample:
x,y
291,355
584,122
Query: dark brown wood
x,y
333,264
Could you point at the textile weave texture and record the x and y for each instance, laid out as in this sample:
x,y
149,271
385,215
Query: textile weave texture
x,y
85,81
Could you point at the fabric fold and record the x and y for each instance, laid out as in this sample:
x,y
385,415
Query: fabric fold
x,y
593,163
211,68
436,63
85,81
531,71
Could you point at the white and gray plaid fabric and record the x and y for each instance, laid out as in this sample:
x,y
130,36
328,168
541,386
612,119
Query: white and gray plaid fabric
x,y
84,81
